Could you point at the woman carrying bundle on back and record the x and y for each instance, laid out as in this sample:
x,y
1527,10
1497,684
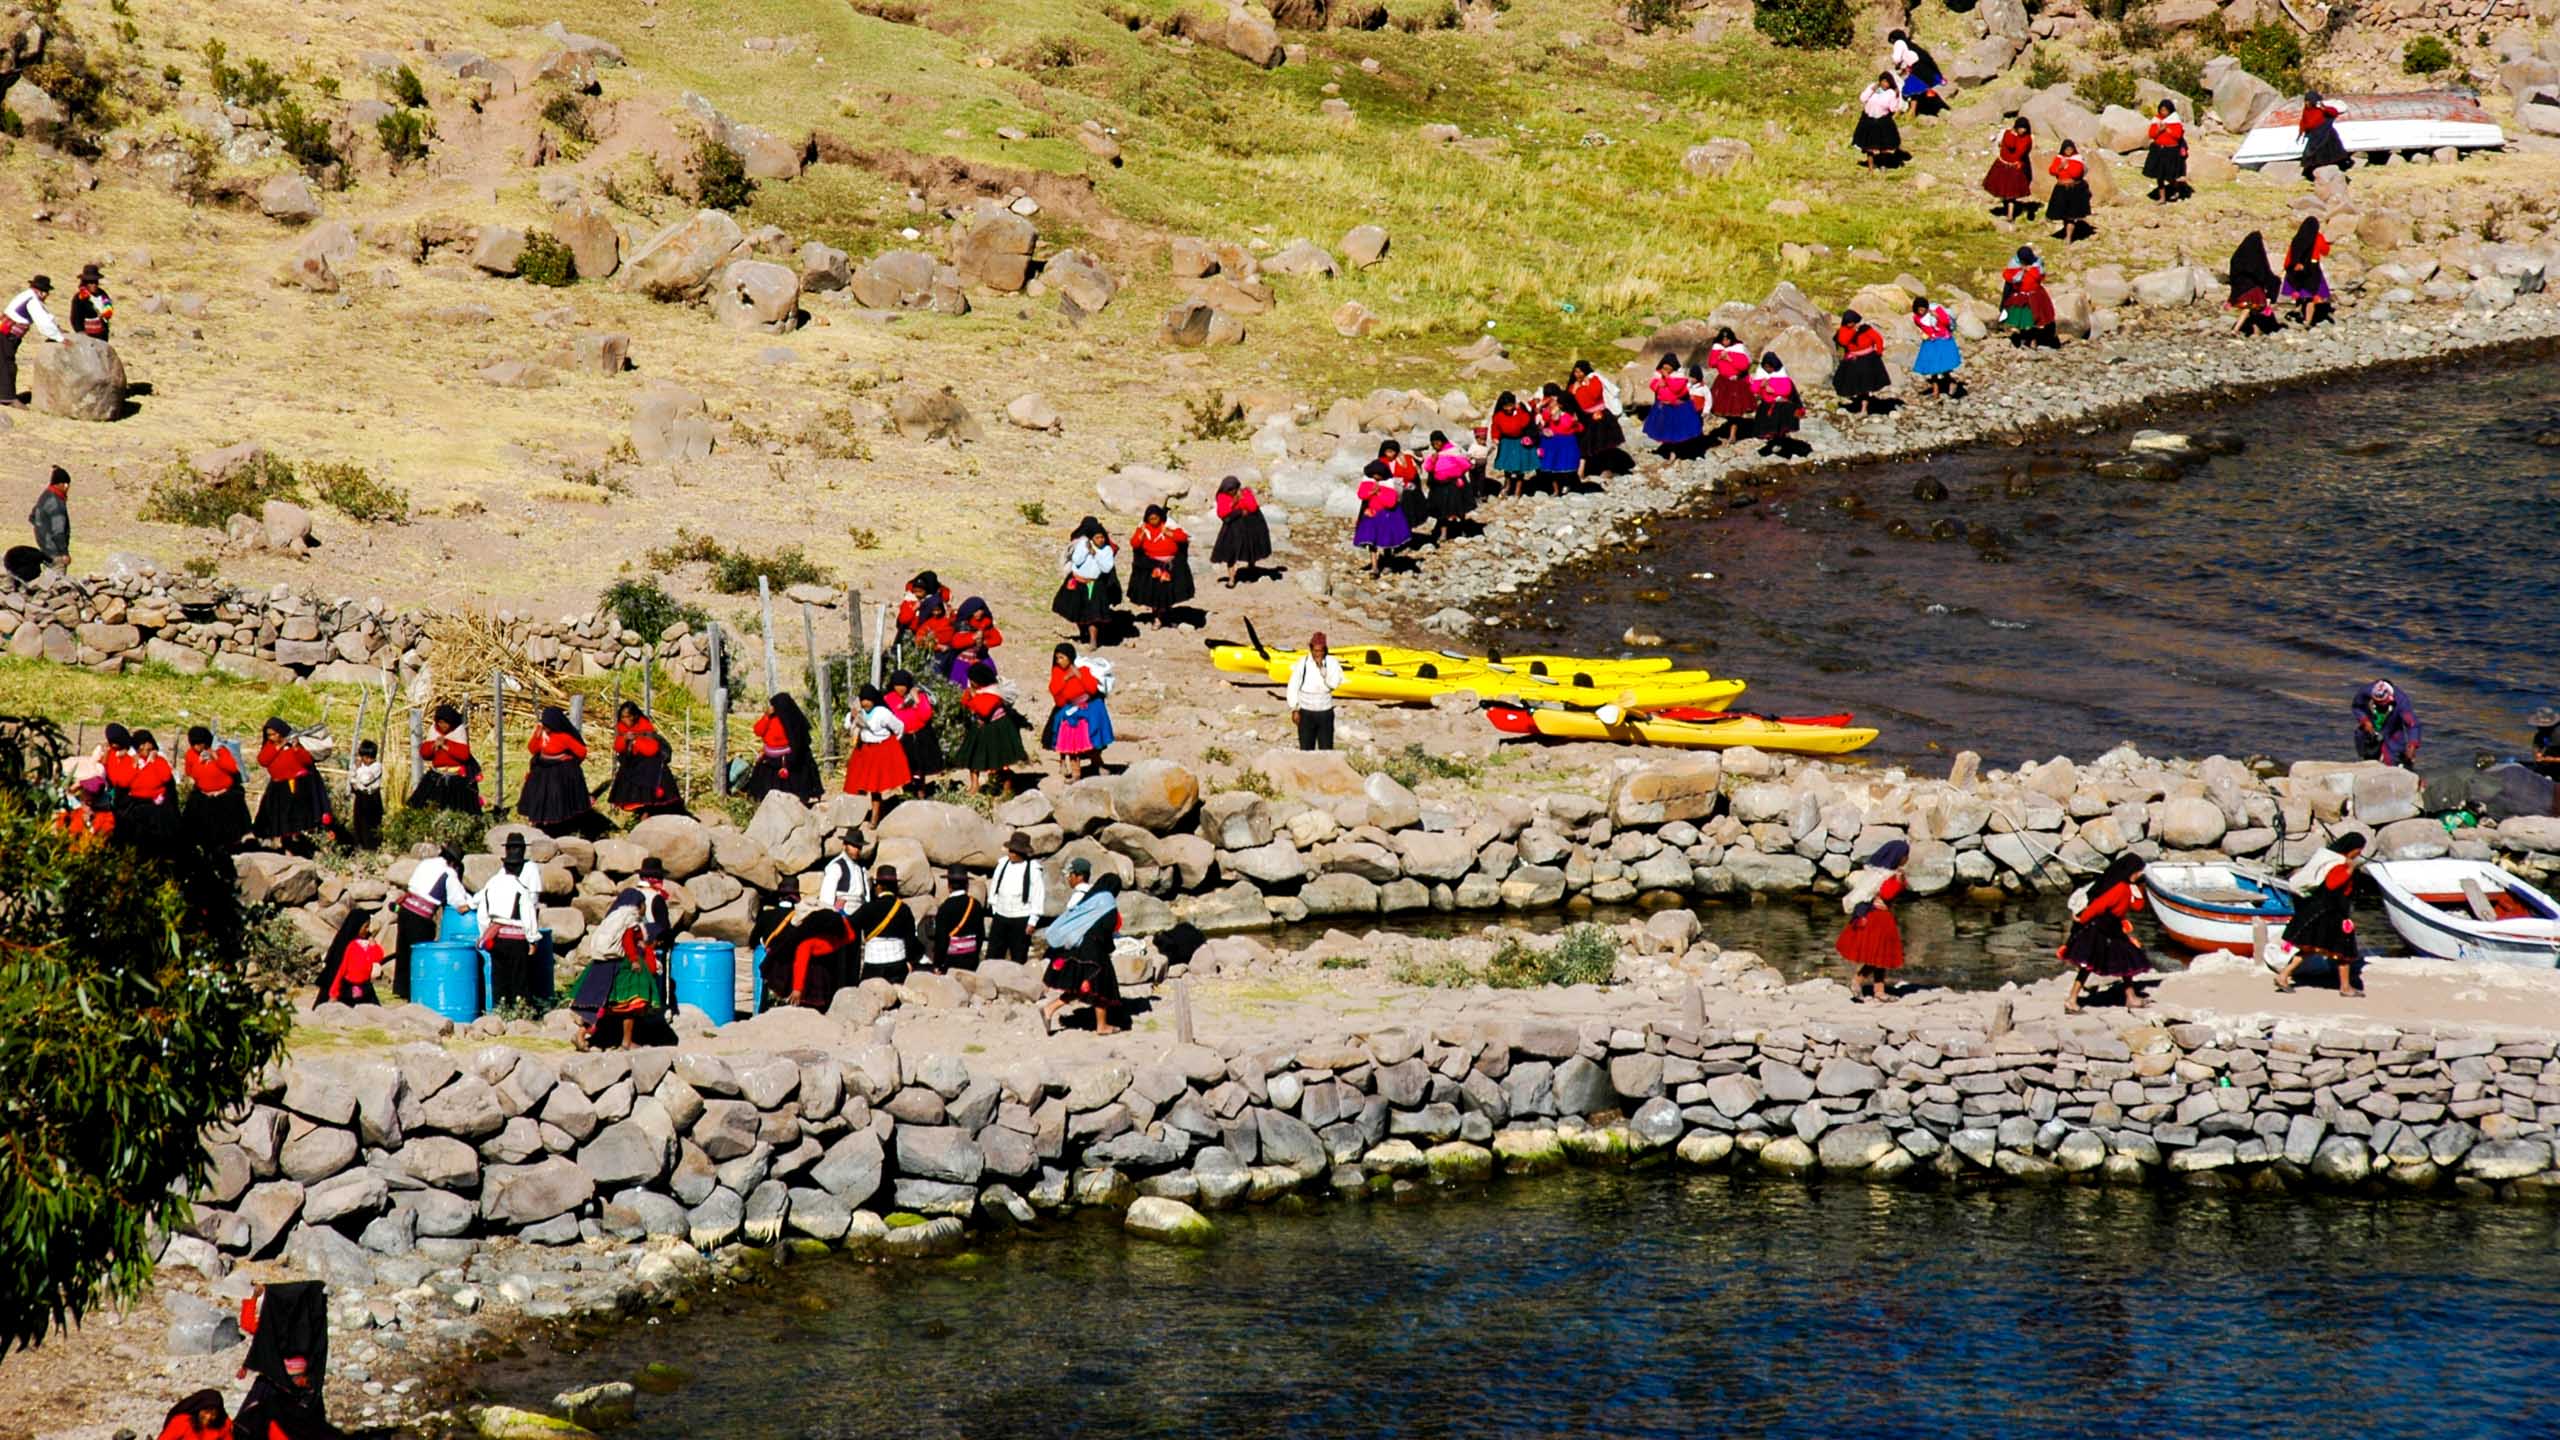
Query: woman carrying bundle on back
x,y
1091,589
1604,438
1382,526
1938,359
2025,306
991,731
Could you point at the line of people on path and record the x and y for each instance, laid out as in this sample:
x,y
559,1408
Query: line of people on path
x,y
2101,946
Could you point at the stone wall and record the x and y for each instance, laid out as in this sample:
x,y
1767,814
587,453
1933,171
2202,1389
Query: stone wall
x,y
135,615
337,1162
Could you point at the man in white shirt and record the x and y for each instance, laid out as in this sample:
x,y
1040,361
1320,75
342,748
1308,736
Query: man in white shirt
x,y
1017,897
844,887
510,908
1312,680
25,311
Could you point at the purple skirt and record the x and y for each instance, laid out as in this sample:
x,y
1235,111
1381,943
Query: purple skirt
x,y
1386,530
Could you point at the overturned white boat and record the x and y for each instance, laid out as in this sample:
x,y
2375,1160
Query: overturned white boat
x,y
2469,910
2423,120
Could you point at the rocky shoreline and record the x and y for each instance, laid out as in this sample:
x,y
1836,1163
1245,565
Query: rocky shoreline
x,y
2166,363
416,1179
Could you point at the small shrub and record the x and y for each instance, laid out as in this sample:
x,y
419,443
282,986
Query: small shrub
x,y
2045,70
735,572
1805,24
184,495
566,112
1343,962
403,136
406,92
689,549
1442,972
1643,16
834,434
1033,513
417,825
304,136
2113,85
547,260
1254,782
202,567
1587,955
352,491
862,537
2182,71
253,85
1217,754
720,177
2272,52
1214,417
1415,763
2425,55
646,609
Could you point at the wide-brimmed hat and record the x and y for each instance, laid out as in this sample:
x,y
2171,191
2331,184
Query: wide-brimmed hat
x,y
2544,716
653,868
514,846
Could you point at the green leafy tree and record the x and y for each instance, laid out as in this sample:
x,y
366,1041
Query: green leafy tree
x,y
136,1015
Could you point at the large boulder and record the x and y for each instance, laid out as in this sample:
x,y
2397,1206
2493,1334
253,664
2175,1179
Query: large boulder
x,y
668,423
1155,795
593,242
680,842
1364,245
950,834
2058,118
895,280
1197,324
823,267
1080,281
926,412
1314,776
679,261
994,250
79,379
757,295
497,249
289,199
1252,38
2239,98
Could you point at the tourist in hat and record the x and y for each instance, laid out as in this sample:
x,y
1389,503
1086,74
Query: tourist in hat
x,y
510,907
24,312
555,799
215,814
643,782
1872,940
295,804
1313,677
2101,941
2386,725
2546,741
2322,931
1017,896
51,519
93,311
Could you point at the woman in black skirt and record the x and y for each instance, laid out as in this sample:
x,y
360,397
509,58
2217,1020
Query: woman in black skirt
x,y
1861,375
990,730
1877,137
1603,435
216,813
2101,941
554,798
785,761
448,773
1244,537
1451,473
1160,576
2068,206
1091,589
296,801
914,708
642,782
146,798
2166,164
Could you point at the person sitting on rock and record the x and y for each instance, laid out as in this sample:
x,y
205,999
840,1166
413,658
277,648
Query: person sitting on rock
x,y
807,957
2386,726
201,1416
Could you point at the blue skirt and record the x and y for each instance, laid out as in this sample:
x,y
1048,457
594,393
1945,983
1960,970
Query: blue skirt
x,y
1384,531
1093,714
1916,84
1560,454
1938,356
1515,457
1672,424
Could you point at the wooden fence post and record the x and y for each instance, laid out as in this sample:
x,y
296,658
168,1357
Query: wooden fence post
x,y
764,594
498,738
720,738
817,678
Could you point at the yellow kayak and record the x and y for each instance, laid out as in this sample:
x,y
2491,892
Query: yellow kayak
x,y
1686,688
1247,660
1827,735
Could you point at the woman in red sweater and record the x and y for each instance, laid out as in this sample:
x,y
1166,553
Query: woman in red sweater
x,y
1861,375
216,813
1872,940
642,782
2008,179
1160,577
1244,537
2101,941
786,762
448,773
1513,430
2166,163
146,796
2068,206
555,799
296,801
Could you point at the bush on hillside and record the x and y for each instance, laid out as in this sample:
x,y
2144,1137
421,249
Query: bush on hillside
x,y
134,1020
1646,16
547,260
252,85
2425,55
2182,71
2113,85
1805,24
352,491
644,608
406,92
303,136
720,178
403,134
2272,52
184,495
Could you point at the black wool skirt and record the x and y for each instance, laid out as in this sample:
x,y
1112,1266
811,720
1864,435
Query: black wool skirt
x,y
1243,539
443,790
147,827
292,809
992,745
2165,163
1155,584
924,752
1454,499
1877,133
1079,604
1602,431
2069,202
216,822
769,774
642,782
555,793
1860,375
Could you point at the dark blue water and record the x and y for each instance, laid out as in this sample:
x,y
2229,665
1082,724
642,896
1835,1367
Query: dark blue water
x,y
1660,1305
2407,528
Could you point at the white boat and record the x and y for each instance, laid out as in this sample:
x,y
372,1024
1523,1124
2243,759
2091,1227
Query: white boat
x,y
2424,120
2216,907
2468,910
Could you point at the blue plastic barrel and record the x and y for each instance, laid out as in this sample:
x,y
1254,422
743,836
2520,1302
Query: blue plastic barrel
x,y
444,976
755,989
457,924
706,973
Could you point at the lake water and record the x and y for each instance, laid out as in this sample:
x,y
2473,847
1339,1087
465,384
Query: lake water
x,y
1655,1304
2408,528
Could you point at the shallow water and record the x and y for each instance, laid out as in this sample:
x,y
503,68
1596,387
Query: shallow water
x,y
2406,527
1653,1304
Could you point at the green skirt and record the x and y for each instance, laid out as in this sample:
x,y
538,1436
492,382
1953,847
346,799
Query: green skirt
x,y
2018,317
634,988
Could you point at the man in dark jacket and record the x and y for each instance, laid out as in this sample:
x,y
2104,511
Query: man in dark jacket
x,y
52,519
